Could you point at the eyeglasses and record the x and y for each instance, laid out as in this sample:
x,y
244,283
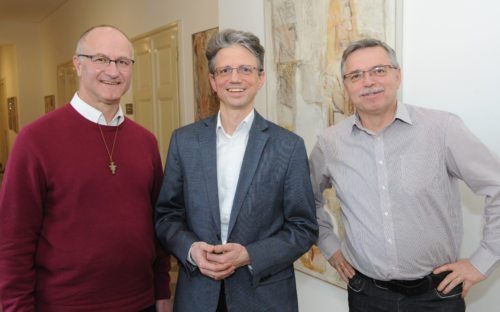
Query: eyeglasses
x,y
226,71
376,71
122,63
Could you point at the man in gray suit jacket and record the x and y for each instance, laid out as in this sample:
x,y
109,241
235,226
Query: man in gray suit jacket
x,y
236,206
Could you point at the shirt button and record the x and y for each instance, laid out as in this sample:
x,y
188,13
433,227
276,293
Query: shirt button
x,y
389,241
383,187
380,162
386,213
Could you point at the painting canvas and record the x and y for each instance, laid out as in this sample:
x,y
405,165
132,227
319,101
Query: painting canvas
x,y
13,117
304,44
50,103
206,100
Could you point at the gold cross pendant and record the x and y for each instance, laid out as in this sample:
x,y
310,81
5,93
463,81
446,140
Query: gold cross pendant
x,y
112,167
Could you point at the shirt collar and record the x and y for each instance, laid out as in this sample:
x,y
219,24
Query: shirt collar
x,y
401,114
95,115
244,125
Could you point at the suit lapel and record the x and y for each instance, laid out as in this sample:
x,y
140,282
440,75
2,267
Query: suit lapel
x,y
256,142
208,150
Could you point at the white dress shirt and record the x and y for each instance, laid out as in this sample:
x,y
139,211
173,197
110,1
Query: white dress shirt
x,y
230,152
93,114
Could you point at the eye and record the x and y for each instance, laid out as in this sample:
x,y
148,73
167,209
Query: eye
x,y
379,71
224,71
355,76
246,70
123,62
100,60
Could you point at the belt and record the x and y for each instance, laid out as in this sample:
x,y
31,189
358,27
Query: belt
x,y
410,287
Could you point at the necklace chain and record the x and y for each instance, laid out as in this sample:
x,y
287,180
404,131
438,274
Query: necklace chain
x,y
112,166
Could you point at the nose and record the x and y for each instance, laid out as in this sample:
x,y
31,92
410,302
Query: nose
x,y
367,79
112,69
234,75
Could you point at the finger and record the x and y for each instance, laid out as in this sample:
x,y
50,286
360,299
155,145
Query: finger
x,y
224,274
444,268
342,275
466,288
454,283
202,247
219,249
446,281
349,271
217,275
225,248
219,258
213,266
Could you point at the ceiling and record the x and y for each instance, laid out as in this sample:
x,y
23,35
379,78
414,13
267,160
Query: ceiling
x,y
31,11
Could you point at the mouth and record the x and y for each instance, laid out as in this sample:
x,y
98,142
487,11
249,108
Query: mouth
x,y
371,91
110,82
235,90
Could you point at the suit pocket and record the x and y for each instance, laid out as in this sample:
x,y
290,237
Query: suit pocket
x,y
276,277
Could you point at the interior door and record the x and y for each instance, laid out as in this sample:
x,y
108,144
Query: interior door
x,y
166,87
155,84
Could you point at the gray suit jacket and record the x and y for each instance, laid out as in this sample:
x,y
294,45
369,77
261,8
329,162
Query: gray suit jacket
x,y
273,215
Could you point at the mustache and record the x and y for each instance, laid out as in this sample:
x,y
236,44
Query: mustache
x,y
371,90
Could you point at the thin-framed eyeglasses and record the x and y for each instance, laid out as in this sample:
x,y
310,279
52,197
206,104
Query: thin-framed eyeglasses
x,y
375,71
122,63
226,71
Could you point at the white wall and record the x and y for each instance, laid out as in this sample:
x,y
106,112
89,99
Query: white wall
x,y
450,62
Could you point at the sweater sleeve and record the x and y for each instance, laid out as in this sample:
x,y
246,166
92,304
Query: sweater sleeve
x,y
162,264
21,211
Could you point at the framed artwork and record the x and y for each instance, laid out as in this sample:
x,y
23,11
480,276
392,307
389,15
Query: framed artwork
x,y
13,118
50,103
207,102
304,45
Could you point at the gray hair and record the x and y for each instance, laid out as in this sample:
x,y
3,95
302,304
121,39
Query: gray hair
x,y
367,43
228,37
81,40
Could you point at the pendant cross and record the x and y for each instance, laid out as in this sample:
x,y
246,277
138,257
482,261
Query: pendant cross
x,y
112,167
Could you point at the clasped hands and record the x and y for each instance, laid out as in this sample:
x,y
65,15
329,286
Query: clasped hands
x,y
219,261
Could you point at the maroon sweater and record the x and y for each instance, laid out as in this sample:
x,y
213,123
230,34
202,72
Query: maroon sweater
x,y
74,237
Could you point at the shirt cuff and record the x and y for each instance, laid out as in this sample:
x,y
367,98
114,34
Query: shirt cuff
x,y
190,258
484,261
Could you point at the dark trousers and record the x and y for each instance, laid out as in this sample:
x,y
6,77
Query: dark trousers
x,y
221,306
366,295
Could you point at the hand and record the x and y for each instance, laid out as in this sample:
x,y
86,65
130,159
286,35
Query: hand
x,y
344,268
233,254
164,305
200,252
462,271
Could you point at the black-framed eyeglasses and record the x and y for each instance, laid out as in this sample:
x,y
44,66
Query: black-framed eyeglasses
x,y
375,71
103,61
227,71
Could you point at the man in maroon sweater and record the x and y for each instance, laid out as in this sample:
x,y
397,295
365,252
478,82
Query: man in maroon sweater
x,y
76,204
